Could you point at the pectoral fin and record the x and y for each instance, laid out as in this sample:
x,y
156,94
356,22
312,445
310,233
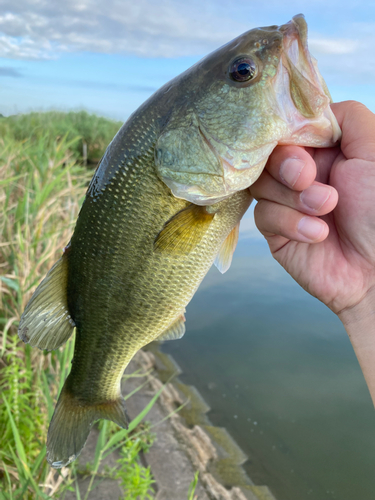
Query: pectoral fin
x,y
224,257
175,331
46,322
182,233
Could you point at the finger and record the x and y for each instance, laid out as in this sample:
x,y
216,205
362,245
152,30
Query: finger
x,y
358,124
292,166
273,219
324,159
317,199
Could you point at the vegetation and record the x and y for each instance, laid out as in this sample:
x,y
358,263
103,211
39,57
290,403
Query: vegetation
x,y
42,186
77,129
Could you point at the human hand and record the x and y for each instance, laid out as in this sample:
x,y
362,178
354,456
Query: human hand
x,y
316,208
323,231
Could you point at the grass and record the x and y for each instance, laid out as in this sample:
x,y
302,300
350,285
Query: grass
x,y
94,131
192,487
41,188
42,185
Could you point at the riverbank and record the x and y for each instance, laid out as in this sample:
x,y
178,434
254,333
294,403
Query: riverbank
x,y
185,442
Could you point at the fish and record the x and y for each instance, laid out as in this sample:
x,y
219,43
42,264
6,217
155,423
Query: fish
x,y
164,204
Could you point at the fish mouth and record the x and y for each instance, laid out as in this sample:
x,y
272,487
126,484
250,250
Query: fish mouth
x,y
308,91
306,88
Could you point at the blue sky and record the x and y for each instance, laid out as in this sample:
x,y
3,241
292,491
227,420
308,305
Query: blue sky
x,y
108,57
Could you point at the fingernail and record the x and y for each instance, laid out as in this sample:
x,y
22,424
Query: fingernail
x,y
315,196
311,228
291,169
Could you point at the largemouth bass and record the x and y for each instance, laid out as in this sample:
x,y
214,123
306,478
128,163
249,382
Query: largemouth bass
x,y
164,204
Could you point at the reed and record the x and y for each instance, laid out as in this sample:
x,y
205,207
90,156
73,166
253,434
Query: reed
x,y
41,189
42,185
94,131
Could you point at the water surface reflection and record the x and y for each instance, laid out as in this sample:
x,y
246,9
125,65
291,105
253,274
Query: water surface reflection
x,y
279,373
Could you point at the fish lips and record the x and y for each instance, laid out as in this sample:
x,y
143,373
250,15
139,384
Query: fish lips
x,y
306,108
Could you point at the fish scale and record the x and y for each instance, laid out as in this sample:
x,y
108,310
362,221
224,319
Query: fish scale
x,y
151,282
164,204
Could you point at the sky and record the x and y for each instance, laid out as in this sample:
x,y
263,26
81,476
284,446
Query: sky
x,y
109,56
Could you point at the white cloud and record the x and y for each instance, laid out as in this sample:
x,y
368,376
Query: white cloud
x,y
27,48
144,28
43,29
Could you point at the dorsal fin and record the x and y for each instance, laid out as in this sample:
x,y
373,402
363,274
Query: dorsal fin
x,y
182,233
175,331
46,322
224,257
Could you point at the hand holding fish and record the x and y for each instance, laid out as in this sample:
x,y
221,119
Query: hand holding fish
x,y
323,232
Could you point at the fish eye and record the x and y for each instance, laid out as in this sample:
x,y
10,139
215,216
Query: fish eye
x,y
242,69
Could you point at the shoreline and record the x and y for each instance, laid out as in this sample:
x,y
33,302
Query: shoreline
x,y
211,450
186,441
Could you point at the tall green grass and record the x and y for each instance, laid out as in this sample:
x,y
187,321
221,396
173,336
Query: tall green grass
x,y
82,127
41,189
42,185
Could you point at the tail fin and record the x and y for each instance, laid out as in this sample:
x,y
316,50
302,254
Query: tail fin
x,y
71,424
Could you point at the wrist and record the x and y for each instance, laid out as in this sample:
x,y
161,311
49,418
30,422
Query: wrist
x,y
359,322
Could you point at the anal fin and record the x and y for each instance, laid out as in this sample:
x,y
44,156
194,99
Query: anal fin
x,y
46,322
175,331
224,257
182,233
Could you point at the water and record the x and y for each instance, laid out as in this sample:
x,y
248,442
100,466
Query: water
x,y
278,371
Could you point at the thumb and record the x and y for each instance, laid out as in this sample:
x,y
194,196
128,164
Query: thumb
x,y
358,130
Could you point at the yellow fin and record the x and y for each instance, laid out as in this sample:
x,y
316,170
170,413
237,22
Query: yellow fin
x,y
224,257
46,322
183,231
175,331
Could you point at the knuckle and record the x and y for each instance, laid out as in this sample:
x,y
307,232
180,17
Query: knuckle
x,y
260,211
358,109
355,105
260,208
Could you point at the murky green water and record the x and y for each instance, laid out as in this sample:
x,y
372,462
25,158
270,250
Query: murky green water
x,y
279,373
